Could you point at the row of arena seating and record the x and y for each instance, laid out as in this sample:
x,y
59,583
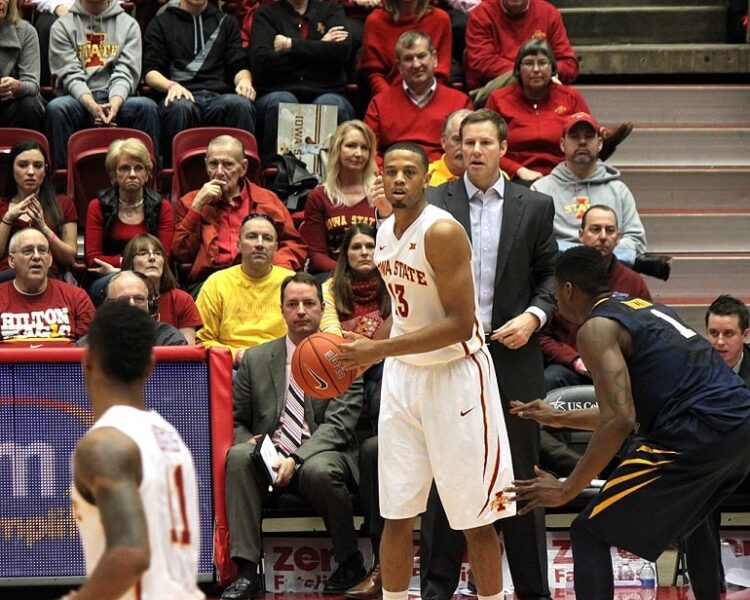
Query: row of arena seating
x,y
85,174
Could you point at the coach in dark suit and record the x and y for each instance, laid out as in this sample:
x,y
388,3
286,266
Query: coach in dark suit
x,y
515,286
322,469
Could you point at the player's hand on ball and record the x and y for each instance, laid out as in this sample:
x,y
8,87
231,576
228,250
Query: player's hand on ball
x,y
536,410
359,353
543,491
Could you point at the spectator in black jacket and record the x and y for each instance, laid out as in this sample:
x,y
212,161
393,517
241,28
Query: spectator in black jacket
x,y
193,56
298,53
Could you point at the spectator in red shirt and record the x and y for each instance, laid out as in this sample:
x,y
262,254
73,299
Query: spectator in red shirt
x,y
124,210
30,201
414,110
384,27
145,254
495,31
346,197
599,230
536,108
36,310
208,220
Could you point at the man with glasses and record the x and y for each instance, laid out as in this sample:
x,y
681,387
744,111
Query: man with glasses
x,y
239,305
37,311
208,220
137,290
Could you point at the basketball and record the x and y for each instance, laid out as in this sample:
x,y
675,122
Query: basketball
x,y
316,367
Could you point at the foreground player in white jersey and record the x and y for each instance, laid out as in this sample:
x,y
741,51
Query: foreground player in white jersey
x,y
440,409
134,490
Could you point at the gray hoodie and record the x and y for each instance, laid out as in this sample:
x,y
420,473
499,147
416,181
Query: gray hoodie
x,y
573,196
96,53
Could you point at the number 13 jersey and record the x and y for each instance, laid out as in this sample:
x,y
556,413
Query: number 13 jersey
x,y
169,495
410,279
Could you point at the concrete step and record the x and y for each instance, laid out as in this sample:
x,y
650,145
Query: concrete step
x,y
687,105
664,59
669,233
689,190
704,275
684,147
646,24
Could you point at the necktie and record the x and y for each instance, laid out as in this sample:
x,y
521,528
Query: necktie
x,y
293,420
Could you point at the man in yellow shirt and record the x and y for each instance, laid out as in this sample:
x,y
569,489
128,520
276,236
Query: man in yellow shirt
x,y
450,165
240,305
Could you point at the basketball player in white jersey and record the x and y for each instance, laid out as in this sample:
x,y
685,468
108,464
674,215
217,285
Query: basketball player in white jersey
x,y
134,490
440,414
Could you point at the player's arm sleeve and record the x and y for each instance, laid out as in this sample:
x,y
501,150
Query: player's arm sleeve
x,y
330,322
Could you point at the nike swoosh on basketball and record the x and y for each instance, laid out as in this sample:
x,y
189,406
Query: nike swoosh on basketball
x,y
322,385
463,413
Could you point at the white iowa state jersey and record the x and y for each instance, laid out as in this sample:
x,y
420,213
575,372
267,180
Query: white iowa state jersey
x,y
170,500
415,302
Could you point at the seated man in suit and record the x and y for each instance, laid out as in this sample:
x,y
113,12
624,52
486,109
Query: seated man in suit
x,y
318,455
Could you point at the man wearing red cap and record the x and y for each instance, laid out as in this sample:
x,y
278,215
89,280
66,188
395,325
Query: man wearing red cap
x,y
582,181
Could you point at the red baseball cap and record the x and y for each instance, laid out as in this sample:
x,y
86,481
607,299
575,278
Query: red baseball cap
x,y
580,117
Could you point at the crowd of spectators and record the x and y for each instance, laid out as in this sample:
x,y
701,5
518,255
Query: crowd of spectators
x,y
224,265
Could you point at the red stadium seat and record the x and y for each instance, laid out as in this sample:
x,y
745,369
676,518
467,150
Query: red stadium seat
x,y
189,152
9,137
86,172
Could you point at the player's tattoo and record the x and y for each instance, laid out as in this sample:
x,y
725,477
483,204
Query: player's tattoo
x,y
621,395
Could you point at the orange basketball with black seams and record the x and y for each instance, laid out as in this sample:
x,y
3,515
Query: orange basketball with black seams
x,y
316,367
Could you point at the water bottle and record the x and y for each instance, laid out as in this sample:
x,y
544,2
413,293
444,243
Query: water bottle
x,y
647,576
648,582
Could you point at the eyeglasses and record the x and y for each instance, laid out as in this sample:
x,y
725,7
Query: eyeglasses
x,y
149,253
259,216
530,64
28,251
126,169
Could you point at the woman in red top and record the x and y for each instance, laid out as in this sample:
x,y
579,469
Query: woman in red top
x,y
383,28
30,201
535,109
347,196
145,254
126,209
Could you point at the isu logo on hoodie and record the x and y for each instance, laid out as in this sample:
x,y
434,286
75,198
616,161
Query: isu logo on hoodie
x,y
95,52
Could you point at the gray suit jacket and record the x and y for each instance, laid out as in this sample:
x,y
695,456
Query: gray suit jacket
x,y
745,366
523,276
259,396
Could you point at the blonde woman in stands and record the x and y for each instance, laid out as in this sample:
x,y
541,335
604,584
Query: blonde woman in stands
x,y
348,195
124,210
145,254
20,102
30,201
383,28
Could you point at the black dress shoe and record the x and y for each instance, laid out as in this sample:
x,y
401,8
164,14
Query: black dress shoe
x,y
348,574
656,265
243,588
